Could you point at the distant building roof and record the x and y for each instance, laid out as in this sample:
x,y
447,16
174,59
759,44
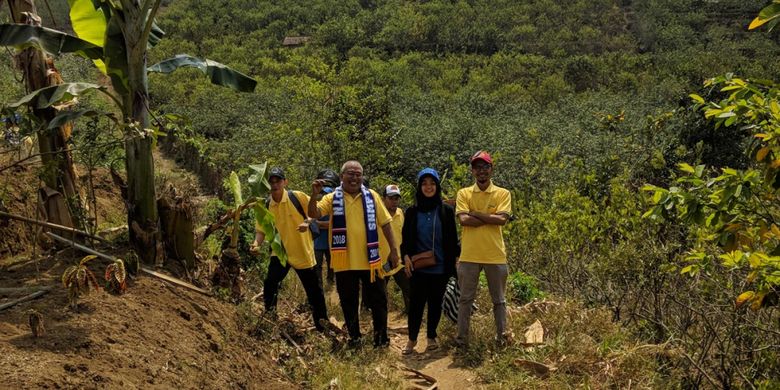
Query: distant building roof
x,y
294,41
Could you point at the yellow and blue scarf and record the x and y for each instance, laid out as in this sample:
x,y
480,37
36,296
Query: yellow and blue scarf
x,y
338,239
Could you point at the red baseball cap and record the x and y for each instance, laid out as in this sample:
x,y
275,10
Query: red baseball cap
x,y
482,155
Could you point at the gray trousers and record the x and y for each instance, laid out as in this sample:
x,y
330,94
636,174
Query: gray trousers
x,y
468,282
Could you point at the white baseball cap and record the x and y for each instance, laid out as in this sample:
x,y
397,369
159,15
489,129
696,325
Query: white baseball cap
x,y
391,190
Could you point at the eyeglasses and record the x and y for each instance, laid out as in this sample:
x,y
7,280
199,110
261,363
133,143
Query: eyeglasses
x,y
481,167
353,174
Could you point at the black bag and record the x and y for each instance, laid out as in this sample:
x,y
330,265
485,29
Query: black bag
x,y
314,229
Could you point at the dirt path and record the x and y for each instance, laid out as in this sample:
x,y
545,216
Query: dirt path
x,y
438,363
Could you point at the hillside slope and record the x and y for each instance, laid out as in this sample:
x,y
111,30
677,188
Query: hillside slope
x,y
154,336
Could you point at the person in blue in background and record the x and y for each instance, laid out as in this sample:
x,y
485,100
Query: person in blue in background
x,y
321,244
429,226
322,247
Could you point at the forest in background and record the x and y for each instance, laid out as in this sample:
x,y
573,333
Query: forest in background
x,y
582,104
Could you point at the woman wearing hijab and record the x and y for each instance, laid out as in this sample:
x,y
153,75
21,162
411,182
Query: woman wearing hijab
x,y
430,249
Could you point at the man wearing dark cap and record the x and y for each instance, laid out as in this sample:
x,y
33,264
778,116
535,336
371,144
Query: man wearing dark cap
x,y
293,226
482,209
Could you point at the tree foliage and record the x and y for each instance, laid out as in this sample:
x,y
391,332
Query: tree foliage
x,y
735,209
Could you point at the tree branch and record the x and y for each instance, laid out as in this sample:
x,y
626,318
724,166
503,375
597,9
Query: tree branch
x,y
701,370
3,169
53,226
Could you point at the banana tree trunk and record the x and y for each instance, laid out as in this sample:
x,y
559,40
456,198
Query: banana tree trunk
x,y
39,72
143,218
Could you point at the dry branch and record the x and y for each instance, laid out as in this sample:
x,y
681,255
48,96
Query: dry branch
x,y
535,368
428,378
80,247
19,290
175,281
213,228
25,299
223,221
290,339
22,264
53,226
110,231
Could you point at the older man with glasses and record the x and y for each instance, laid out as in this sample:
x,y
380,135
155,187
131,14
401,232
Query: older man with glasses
x,y
357,214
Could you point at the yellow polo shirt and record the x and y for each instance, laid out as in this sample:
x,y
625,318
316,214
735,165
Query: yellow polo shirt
x,y
483,244
357,249
299,245
397,223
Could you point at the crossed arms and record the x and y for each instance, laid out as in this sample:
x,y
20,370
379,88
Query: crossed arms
x,y
476,219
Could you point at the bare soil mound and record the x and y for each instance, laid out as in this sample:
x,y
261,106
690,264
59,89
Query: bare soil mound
x,y
153,336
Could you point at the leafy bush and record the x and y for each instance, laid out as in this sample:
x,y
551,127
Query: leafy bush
x,y
523,288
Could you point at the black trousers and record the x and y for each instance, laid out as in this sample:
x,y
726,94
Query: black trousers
x,y
425,288
348,288
323,259
311,284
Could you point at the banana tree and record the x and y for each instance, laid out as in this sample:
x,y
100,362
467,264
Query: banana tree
x,y
39,72
115,35
229,273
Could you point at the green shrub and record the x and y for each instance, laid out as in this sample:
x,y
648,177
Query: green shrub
x,y
523,288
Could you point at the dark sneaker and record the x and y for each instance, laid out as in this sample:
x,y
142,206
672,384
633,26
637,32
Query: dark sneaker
x,y
355,343
504,340
381,341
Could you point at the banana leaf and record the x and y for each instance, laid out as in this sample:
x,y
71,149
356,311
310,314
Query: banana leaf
x,y
261,189
265,221
90,20
51,41
258,181
219,74
235,187
54,94
70,116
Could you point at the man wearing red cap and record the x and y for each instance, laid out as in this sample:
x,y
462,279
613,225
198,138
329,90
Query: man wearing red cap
x,y
482,209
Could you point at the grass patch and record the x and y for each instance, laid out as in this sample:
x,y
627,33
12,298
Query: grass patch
x,y
583,347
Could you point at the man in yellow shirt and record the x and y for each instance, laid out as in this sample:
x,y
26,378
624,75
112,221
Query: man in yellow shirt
x,y
482,210
293,227
391,197
356,215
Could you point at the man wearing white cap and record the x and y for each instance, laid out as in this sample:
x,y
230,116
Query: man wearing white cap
x,y
391,197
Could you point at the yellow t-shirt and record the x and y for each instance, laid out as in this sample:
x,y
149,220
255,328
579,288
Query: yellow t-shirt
x,y
299,245
397,223
357,248
483,244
